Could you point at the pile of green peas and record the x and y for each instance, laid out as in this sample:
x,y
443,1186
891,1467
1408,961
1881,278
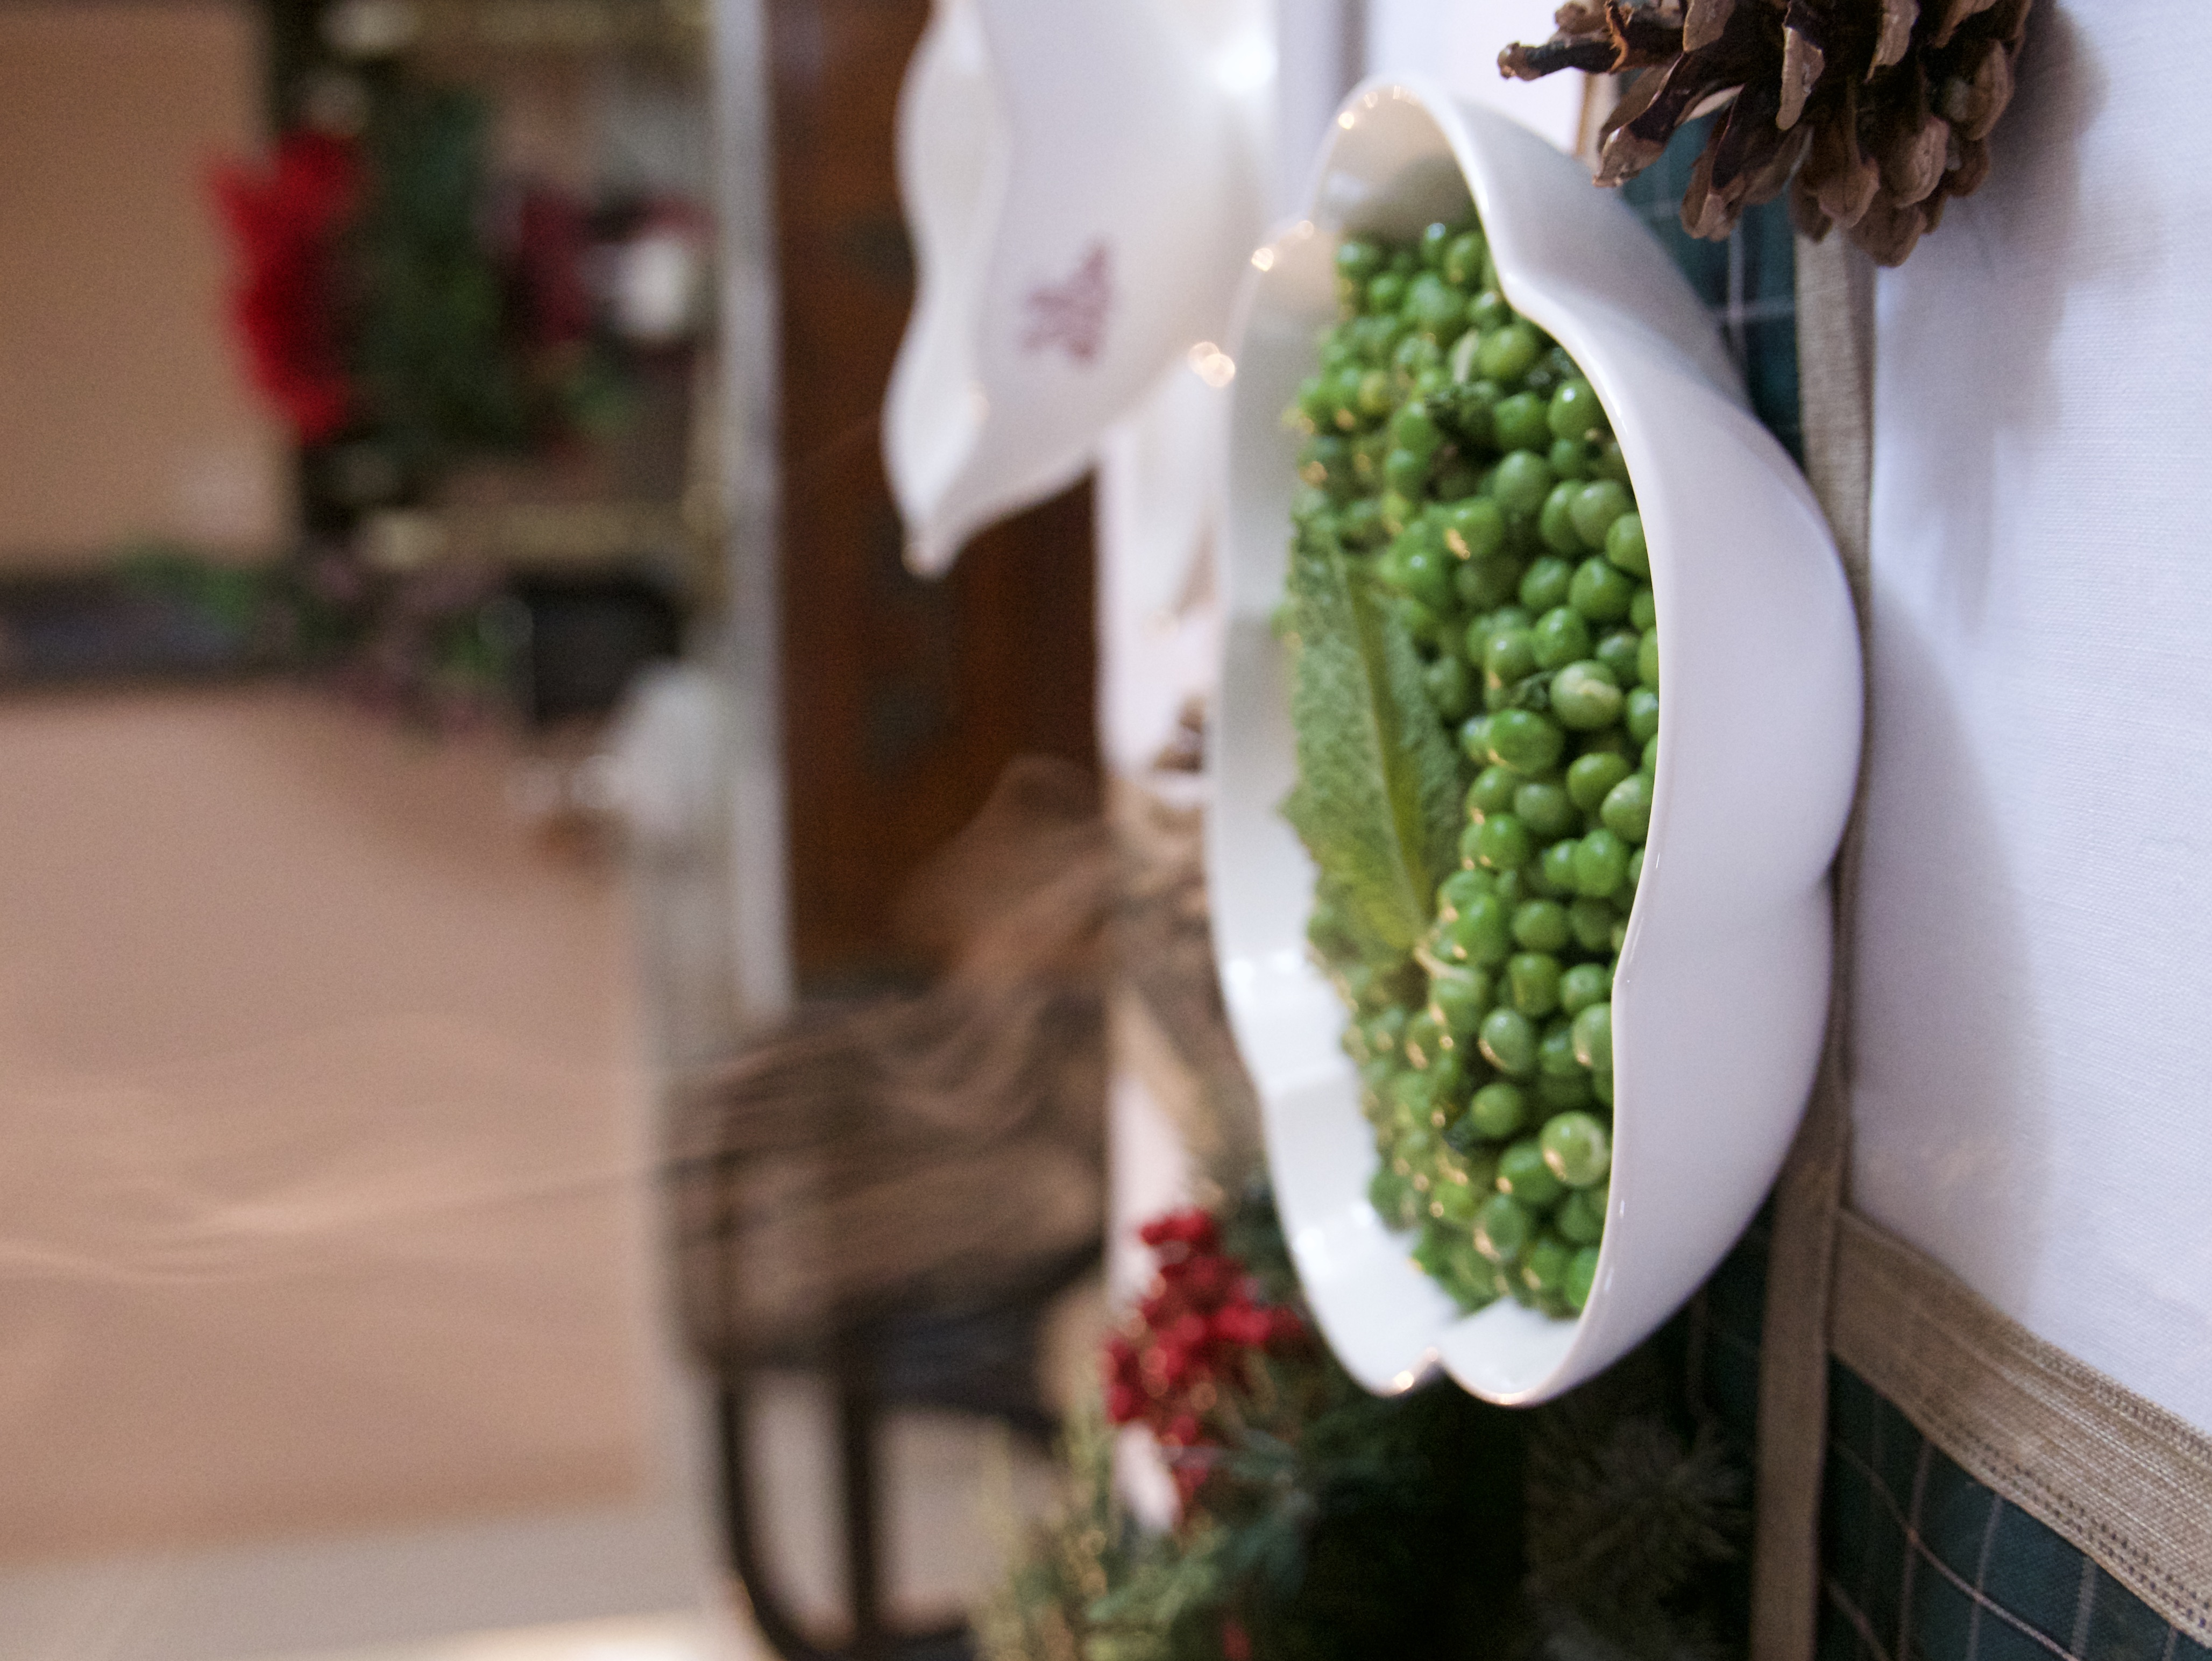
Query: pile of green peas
x,y
1457,453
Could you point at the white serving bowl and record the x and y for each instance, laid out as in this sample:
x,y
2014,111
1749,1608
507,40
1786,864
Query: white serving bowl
x,y
1721,994
1083,179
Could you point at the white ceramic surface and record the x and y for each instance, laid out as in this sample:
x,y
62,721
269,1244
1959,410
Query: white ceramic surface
x,y
1082,178
1721,994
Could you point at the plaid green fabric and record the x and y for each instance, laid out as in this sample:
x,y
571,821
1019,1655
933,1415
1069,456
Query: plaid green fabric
x,y
1922,1560
1750,281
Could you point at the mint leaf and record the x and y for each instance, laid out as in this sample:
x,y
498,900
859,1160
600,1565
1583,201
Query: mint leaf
x,y
1377,800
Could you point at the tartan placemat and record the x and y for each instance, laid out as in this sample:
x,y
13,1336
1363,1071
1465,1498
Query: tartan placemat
x,y
1924,1563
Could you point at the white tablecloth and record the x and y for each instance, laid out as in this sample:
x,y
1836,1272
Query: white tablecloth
x,y
2034,1032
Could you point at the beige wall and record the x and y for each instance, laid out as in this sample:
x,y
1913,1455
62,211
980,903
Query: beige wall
x,y
122,408
322,1144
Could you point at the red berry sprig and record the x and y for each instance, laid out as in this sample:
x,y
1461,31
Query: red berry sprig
x,y
1187,1352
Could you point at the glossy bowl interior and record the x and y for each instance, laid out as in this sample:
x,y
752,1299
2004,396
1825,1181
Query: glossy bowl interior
x,y
1721,993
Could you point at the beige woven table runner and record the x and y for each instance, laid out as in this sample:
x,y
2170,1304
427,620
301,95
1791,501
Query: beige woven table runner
x,y
2121,1479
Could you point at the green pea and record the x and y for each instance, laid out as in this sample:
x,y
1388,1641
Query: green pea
x,y
1593,1032
1454,1203
1580,1216
1489,312
1555,525
1460,889
1651,755
1583,984
1608,463
1574,412
1502,1228
1627,808
1643,610
1413,430
1640,714
1560,637
1508,1042
1447,1073
1536,883
1422,621
1451,688
1507,353
1522,482
1385,1030
1558,865
1509,655
1570,459
1547,583
1602,1088
1463,261
1624,546
1617,652
1420,1044
1596,506
1493,791
1404,471
1544,1265
1484,585
1479,935
1459,998
1474,529
1498,1109
1417,355
1647,658
1375,394
1395,1199
1526,741
1362,523
1591,921
1503,842
1511,890
1541,925
1576,1149
1601,864
1518,422
1636,869
1359,258
1544,808
1385,293
1466,844
1412,1093
1590,776
1434,306
1555,1050
1534,978
1585,697
1599,591
1523,1173
1581,1278
1475,739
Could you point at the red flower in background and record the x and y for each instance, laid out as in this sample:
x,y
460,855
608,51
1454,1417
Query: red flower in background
x,y
1190,1348
286,223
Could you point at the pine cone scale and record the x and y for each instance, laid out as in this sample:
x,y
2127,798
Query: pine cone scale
x,y
1707,21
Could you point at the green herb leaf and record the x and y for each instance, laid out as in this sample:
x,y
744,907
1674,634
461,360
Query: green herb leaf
x,y
1377,798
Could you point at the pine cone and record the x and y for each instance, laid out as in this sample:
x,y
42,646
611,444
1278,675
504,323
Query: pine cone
x,y
1874,112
